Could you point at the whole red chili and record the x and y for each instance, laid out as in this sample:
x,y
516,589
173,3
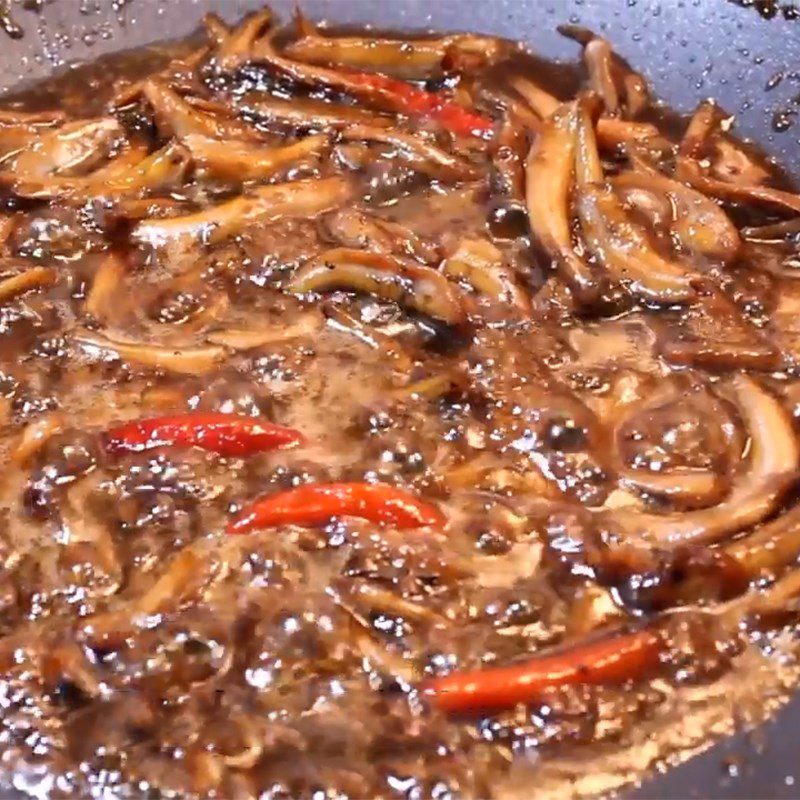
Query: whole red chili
x,y
317,503
411,100
226,434
611,660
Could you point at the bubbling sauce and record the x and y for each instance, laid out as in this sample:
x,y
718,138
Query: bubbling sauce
x,y
387,417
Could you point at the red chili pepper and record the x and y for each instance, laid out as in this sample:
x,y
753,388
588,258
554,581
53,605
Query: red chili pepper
x,y
317,503
460,121
408,99
226,434
612,660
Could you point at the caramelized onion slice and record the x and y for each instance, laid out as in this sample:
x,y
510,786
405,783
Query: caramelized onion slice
x,y
403,58
699,223
239,161
7,225
423,156
774,458
185,576
668,407
216,29
517,112
34,437
163,169
691,172
354,228
548,184
310,114
179,360
619,244
541,102
756,354
779,598
235,48
73,148
407,58
263,51
626,254
12,116
259,48
620,87
684,487
411,285
481,264
130,174
729,340
108,281
34,278
250,339
305,198
612,132
772,547
508,159
176,116
138,208
598,56
374,88
774,231
58,186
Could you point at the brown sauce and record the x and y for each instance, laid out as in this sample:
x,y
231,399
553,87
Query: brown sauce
x,y
386,419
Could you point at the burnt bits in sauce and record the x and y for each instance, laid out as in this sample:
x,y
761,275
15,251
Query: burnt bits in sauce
x,y
386,417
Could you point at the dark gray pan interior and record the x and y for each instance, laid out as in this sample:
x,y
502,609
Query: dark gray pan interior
x,y
745,53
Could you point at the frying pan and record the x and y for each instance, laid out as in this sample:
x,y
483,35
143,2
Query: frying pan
x,y
745,53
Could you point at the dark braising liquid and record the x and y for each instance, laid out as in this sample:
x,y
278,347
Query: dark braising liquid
x,y
386,418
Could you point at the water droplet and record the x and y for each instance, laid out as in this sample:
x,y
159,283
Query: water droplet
x,y
731,766
783,119
773,81
574,19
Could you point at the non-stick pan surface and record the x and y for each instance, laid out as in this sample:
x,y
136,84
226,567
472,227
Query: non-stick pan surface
x,y
745,53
